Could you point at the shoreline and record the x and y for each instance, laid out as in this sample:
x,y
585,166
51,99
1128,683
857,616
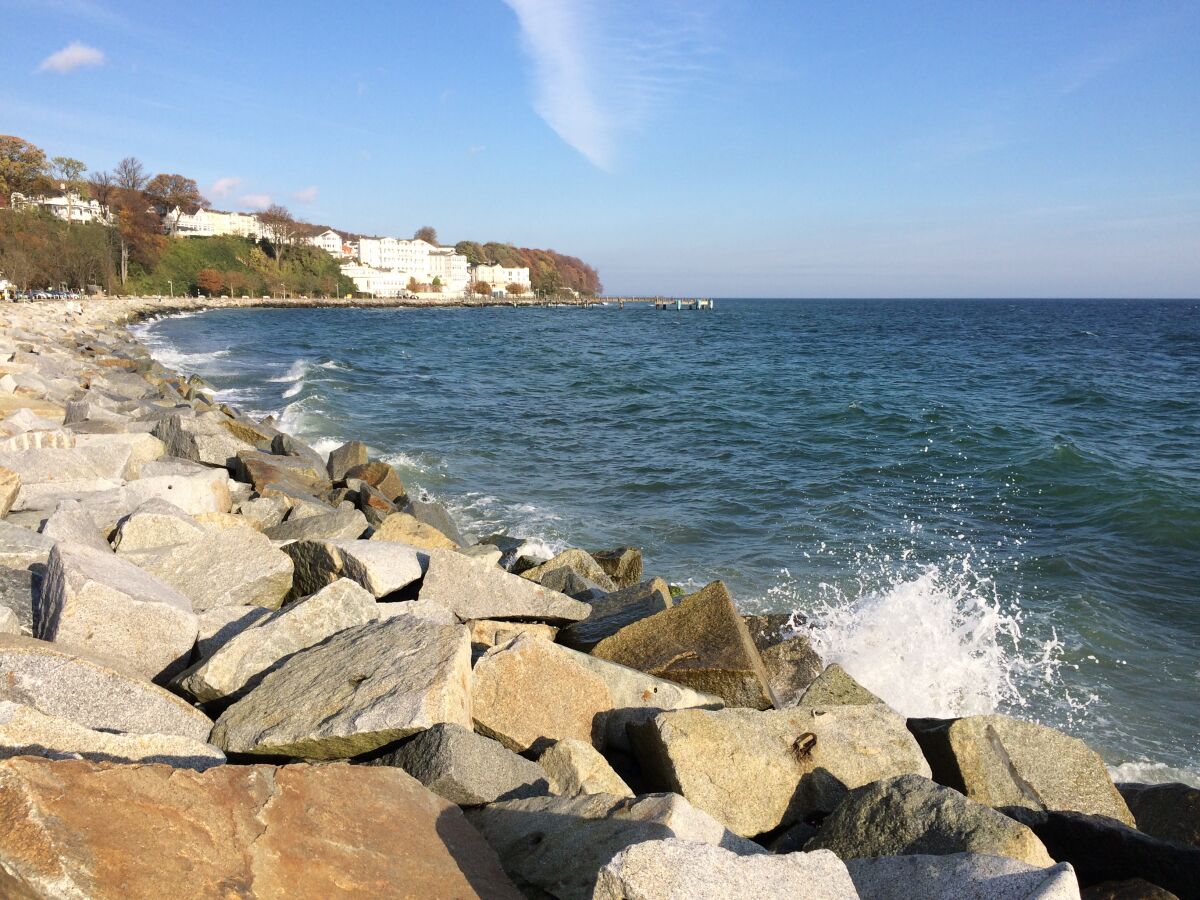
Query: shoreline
x,y
191,553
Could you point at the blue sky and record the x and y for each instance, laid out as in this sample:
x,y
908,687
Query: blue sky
x,y
715,147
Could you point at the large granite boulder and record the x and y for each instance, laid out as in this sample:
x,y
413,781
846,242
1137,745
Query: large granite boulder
x,y
362,689
380,476
623,565
91,693
434,514
835,687
205,438
281,475
403,528
1104,850
911,814
792,664
72,523
578,561
346,457
47,473
960,876
18,587
21,548
104,604
556,846
701,642
466,768
672,868
1001,761
486,633
1167,811
335,525
221,624
192,487
232,567
614,611
472,590
576,767
154,524
25,731
379,566
105,832
755,771
143,448
243,660
530,691
10,487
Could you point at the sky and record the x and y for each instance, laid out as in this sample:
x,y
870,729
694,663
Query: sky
x,y
728,148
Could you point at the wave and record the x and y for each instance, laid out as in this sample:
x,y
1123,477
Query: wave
x,y
1146,772
295,372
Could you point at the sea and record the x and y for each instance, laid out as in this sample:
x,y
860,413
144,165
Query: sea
x,y
972,505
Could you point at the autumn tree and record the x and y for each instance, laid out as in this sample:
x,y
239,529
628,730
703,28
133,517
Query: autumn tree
x,y
413,284
174,195
514,287
210,281
482,288
23,168
68,174
426,233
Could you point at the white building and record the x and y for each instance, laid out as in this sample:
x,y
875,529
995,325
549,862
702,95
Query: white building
x,y
68,207
416,259
500,277
451,268
329,241
377,282
215,222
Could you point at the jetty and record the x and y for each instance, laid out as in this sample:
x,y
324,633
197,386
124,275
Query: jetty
x,y
676,303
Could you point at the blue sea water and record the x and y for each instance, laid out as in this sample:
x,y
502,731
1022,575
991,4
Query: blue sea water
x,y
973,505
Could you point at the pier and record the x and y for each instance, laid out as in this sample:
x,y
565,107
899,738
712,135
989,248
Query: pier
x,y
676,303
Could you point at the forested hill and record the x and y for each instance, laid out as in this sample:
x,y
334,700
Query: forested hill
x,y
549,270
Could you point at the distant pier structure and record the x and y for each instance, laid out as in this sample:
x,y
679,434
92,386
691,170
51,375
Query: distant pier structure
x,y
676,303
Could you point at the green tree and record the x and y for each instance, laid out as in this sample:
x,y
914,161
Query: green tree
x,y
68,173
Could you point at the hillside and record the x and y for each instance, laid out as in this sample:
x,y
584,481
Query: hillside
x,y
549,270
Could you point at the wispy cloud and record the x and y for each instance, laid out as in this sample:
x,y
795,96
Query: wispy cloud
x,y
602,67
71,57
255,201
476,149
223,187
306,195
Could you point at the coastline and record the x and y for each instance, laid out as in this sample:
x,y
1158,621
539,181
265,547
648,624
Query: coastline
x,y
756,682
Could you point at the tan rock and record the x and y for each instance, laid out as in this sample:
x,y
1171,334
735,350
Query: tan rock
x,y
190,486
530,689
623,565
835,687
576,767
406,529
1001,761
222,623
490,633
214,521
300,832
701,642
614,611
25,731
10,486
578,561
756,770
473,590
360,690
156,523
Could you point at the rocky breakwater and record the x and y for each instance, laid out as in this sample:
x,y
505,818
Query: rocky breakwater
x,y
230,667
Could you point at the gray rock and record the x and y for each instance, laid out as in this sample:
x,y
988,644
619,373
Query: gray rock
x,y
71,523
244,659
466,768
62,471
104,604
232,567
36,440
482,553
960,876
614,611
143,448
203,439
791,662
90,693
362,689
567,581
21,548
9,624
672,869
556,846
789,764
913,815
488,633
472,590
1167,811
25,731
435,515
530,690
192,487
1001,761
344,458
266,512
334,525
623,565
578,561
835,687
18,590
576,767
222,623
381,567
156,524
284,444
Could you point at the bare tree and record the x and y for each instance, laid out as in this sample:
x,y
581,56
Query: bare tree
x,y
130,175
281,226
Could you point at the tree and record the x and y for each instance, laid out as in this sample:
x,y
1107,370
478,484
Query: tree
x,y
210,281
515,287
436,284
280,225
138,230
413,284
174,195
23,168
130,175
68,172
482,288
426,233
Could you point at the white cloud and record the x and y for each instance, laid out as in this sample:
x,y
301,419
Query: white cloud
x,y
476,149
223,187
71,57
307,195
601,67
255,201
